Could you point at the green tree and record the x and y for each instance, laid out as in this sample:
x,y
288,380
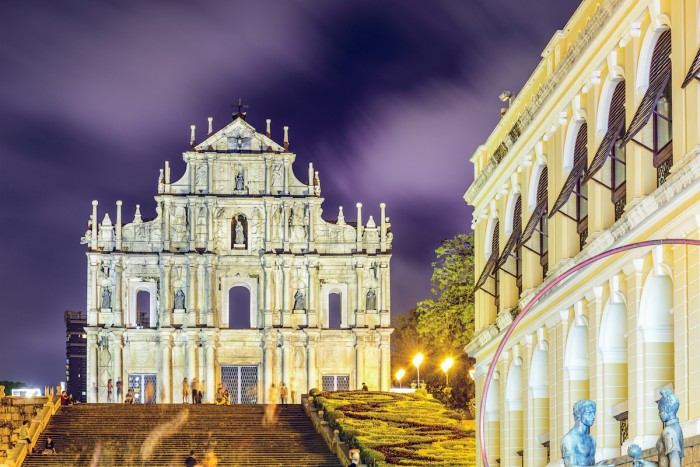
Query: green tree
x,y
442,325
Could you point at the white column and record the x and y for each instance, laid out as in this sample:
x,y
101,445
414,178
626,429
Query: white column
x,y
166,380
118,226
92,369
385,363
267,368
359,227
93,246
117,365
359,362
311,352
210,369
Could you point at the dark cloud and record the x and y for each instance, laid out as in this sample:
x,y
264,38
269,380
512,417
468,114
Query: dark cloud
x,y
387,99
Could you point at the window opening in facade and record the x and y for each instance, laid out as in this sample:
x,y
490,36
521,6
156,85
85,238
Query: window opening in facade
x,y
239,308
651,127
574,184
612,148
510,260
538,224
334,309
143,309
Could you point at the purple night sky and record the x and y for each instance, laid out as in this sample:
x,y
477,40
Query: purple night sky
x,y
387,99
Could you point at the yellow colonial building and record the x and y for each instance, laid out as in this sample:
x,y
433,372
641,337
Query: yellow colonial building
x,y
600,149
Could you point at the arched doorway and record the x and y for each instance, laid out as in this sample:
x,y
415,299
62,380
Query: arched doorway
x,y
239,308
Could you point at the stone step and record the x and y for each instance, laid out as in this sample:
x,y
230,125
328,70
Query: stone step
x,y
235,434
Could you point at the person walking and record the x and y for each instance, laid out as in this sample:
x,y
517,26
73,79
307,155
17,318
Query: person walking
x,y
284,393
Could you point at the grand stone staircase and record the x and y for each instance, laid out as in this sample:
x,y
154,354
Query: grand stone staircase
x,y
163,434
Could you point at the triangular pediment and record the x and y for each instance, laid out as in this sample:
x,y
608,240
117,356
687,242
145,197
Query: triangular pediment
x,y
238,135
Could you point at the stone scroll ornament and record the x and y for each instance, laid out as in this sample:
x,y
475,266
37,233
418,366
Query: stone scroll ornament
x,y
670,443
535,299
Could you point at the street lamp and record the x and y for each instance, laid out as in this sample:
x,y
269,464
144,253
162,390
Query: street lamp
x,y
446,365
400,374
417,360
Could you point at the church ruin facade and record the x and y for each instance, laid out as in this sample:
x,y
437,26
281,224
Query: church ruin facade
x,y
237,282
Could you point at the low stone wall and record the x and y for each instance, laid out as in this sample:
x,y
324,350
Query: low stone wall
x,y
691,459
13,411
334,443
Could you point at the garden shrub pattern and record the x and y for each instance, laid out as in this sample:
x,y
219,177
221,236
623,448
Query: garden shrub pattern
x,y
399,429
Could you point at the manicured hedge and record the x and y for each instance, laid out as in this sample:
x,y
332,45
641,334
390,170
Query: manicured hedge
x,y
399,429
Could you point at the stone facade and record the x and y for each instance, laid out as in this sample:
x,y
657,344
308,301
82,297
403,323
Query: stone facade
x,y
238,219
619,330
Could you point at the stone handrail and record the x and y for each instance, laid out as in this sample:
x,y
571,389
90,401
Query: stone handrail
x,y
20,451
334,443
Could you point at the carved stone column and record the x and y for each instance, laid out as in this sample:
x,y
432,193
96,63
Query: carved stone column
x,y
359,361
211,295
117,372
385,362
286,363
211,375
166,225
92,365
165,289
166,379
287,296
312,346
312,312
268,348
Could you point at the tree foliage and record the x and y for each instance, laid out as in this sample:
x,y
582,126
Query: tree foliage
x,y
440,326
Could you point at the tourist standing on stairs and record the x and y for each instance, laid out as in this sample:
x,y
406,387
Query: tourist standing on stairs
x,y
283,394
119,389
185,391
109,390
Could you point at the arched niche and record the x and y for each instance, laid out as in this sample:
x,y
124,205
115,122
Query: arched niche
x,y
613,333
142,286
572,134
324,316
493,398
538,382
514,386
250,283
655,308
576,356
510,220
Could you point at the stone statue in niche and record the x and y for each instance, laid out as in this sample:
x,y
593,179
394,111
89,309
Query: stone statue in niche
x,y
179,300
106,298
297,223
277,177
200,175
670,443
240,236
578,446
276,222
299,300
371,300
240,183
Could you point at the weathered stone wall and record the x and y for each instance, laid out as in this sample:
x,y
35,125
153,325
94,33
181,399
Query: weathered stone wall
x,y
13,411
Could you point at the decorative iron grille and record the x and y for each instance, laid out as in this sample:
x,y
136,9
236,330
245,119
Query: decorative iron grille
x,y
138,383
241,382
620,208
335,382
663,171
624,430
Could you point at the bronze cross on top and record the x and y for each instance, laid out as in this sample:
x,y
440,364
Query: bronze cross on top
x,y
240,105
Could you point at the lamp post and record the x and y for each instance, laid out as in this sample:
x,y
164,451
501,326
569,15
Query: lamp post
x,y
400,374
417,360
446,365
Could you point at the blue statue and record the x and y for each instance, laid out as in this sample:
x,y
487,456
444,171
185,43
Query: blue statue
x,y
578,446
670,443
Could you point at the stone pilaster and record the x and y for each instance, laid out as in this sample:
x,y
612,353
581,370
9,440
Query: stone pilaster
x,y
165,378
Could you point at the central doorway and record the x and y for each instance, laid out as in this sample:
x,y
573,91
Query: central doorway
x,y
144,387
242,383
335,382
